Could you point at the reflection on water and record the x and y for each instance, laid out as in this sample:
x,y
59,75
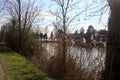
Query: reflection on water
x,y
90,59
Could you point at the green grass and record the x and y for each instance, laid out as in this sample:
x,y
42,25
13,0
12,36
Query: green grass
x,y
19,68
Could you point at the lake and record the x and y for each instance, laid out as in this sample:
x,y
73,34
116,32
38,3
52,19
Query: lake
x,y
91,59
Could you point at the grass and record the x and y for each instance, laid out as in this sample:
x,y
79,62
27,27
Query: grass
x,y
18,67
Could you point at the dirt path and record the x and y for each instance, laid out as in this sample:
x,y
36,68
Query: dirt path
x,y
2,74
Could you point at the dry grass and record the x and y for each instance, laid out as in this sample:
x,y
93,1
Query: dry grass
x,y
80,64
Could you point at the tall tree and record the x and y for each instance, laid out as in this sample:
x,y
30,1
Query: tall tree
x,y
22,16
19,21
112,63
67,11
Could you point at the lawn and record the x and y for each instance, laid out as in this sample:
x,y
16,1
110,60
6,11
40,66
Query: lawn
x,y
18,67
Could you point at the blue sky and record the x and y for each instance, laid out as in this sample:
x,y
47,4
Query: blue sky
x,y
98,22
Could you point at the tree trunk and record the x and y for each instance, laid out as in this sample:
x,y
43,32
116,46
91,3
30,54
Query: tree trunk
x,y
19,20
112,63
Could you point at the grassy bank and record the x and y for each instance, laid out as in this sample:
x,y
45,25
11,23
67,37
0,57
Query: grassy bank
x,y
17,67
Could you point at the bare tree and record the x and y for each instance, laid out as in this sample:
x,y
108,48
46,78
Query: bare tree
x,y
1,28
65,8
19,21
67,11
24,14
